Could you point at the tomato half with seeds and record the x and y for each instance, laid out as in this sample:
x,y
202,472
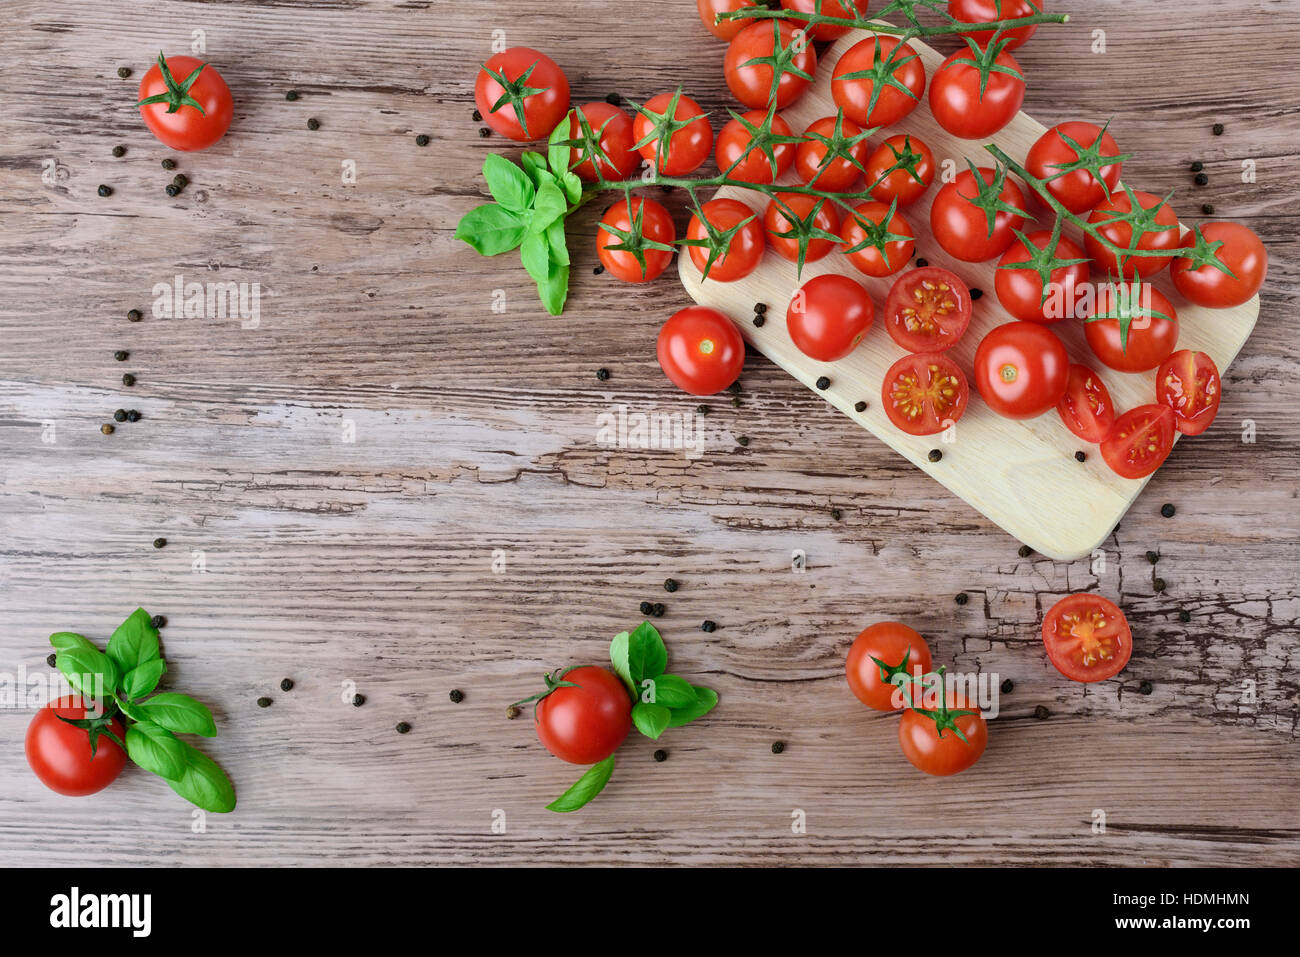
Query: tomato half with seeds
x,y
898,646
1152,329
1077,190
828,316
924,394
612,130
927,310
1021,370
60,754
837,174
586,723
202,111
1242,252
1139,441
531,101
776,220
966,110
744,250
750,81
1188,382
1086,408
899,70
1020,291
701,350
1162,234
989,11
869,259
942,753
906,183
963,229
826,32
723,29
754,167
1087,637
656,226
688,147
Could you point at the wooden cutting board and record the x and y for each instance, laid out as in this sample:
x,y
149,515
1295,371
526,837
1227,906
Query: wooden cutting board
x,y
1022,475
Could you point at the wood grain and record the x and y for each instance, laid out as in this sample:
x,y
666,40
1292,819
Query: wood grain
x,y
371,561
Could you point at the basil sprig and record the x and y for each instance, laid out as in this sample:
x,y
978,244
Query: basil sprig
x,y
123,679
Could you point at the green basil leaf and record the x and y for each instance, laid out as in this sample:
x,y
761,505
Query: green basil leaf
x,y
535,167
82,665
706,699
534,255
673,692
556,154
179,713
555,290
156,750
618,649
585,788
650,719
509,185
134,642
572,187
491,229
557,248
141,680
649,656
67,640
203,783
549,206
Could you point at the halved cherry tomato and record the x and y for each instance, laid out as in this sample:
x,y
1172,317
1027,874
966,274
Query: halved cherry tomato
x,y
1121,234
909,181
1021,370
776,221
927,310
942,753
1078,190
1020,291
826,32
989,11
542,110
1188,382
963,229
612,130
898,646
1152,331
828,316
898,70
971,105
1087,637
868,259
1139,441
656,225
755,167
1242,252
837,174
1086,408
169,110
723,29
750,80
688,147
586,723
745,249
924,393
700,350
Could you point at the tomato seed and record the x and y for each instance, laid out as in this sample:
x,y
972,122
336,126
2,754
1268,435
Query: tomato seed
x,y
402,727
670,585
1007,686
1167,510
661,755
159,543
778,747
709,626
286,684
962,598
456,696
264,702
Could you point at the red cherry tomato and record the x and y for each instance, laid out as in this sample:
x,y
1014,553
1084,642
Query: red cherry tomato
x,y
750,81
838,173
1241,252
612,129
1087,637
542,111
854,81
754,167
723,29
924,394
908,182
826,32
1086,408
688,147
927,310
965,110
989,11
1151,338
59,753
1078,190
189,127
1139,441
701,350
943,753
1188,382
1020,291
656,225
1021,370
1121,234
962,228
897,646
584,724
828,316
868,259
743,252
776,221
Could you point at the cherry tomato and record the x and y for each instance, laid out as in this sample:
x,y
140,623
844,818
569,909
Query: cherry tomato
x,y
701,350
853,82
1021,370
962,108
868,259
943,754
190,127
755,167
1020,291
828,316
776,221
837,174
1121,233
542,111
723,29
897,646
59,753
612,130
1078,190
584,724
927,310
1087,637
688,147
1242,252
656,226
923,393
751,82
1188,382
826,32
1139,441
1151,339
1086,408
989,11
745,249
962,228
908,183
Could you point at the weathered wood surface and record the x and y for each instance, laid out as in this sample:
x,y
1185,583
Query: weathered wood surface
x,y
371,561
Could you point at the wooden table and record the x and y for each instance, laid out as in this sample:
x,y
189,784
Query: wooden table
x,y
389,485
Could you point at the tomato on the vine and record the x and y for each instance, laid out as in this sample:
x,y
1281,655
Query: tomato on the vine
x,y
828,316
687,147
776,220
700,350
869,259
612,130
1152,327
1021,370
924,394
893,643
1086,408
723,29
826,32
60,754
1242,252
1188,382
975,94
522,94
963,228
755,167
838,173
617,239
906,184
1087,637
187,112
586,723
744,249
1078,190
990,11
1020,290
1161,233
749,70
927,310
1139,441
940,751
877,82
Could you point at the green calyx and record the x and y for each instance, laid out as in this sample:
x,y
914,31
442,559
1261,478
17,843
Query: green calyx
x,y
944,717
178,94
515,92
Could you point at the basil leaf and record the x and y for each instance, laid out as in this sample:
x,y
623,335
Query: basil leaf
x,y
618,649
648,652
572,187
673,692
585,788
533,254
555,290
203,783
179,713
650,719
557,154
706,699
555,243
549,206
82,665
509,185
156,750
141,680
535,167
491,229
134,642
67,640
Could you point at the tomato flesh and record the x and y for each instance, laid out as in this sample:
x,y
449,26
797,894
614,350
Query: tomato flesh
x,y
1086,408
1139,441
924,394
928,310
1188,383
1087,638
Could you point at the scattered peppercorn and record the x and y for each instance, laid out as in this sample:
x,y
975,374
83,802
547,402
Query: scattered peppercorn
x,y
119,150
286,684
1217,129
180,181
403,727
759,319
1041,713
1007,686
743,440
658,610
124,71
823,383
735,401
962,598
51,659
647,608
422,140
159,621
836,514
1167,510
922,263
597,270
1184,616
121,355
291,95
484,132
760,308
1081,456
171,189
613,99
313,124
670,585
1153,557
1145,688
264,702
778,747
105,190
1159,584
169,163
1025,551
661,755
734,388
512,712
159,542
602,375
976,294
107,428
1208,209
1197,166
476,116
133,416
128,379
709,626
702,409
935,455
1201,179
119,415
358,700
456,696
134,315
859,407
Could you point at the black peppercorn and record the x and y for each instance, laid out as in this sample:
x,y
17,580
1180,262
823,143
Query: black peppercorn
x,y
484,132
658,610
456,696
1197,166
647,608
602,375
859,407
1081,456
107,428
1159,584
180,181
702,409
823,383
134,315
171,189
1167,510
264,702
670,585
743,440
158,621
128,379
1153,557
613,99
597,270
1201,179
922,263
778,747
1208,209
121,355
476,116
709,626
313,124
402,727
1007,686
1145,688
661,755
735,401
759,319
1042,713
512,712
1025,551
159,542
169,163
51,659
133,416
760,308
119,150
358,700
1217,129
976,294
119,415
935,455
1184,616
124,71
962,598
836,514
105,190
291,95
422,140
286,684
734,388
